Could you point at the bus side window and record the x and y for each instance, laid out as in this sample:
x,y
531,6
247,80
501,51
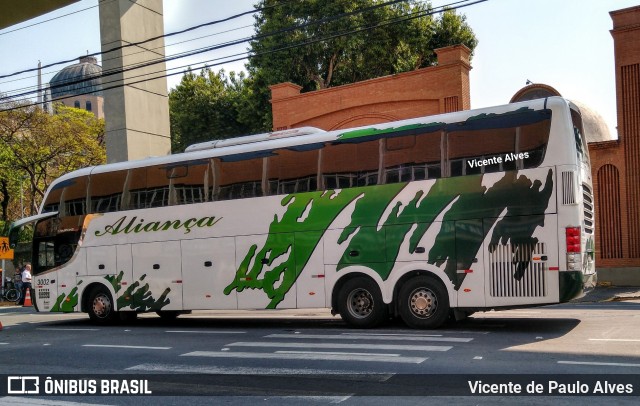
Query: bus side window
x,y
134,192
190,187
106,191
533,141
239,179
412,158
158,192
292,171
345,165
479,151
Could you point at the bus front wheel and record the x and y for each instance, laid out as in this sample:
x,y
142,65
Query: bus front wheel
x,y
360,303
100,307
423,302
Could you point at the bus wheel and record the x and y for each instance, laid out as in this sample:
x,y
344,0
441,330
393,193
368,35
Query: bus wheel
x,y
423,302
101,309
360,303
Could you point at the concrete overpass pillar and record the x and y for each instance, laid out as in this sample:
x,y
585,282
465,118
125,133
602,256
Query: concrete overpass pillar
x,y
136,114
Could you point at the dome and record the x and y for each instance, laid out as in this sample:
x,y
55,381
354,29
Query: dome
x,y
70,80
595,128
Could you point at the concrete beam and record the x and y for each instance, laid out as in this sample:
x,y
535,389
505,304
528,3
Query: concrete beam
x,y
17,11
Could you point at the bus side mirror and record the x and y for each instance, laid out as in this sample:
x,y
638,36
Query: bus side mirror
x,y
14,234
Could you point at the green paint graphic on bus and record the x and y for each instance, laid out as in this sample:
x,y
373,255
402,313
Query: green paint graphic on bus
x,y
469,210
67,302
312,212
137,296
459,240
403,130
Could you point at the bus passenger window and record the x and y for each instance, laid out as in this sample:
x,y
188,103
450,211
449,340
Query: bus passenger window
x,y
186,182
158,193
412,158
106,191
292,170
134,195
239,179
533,141
483,150
347,165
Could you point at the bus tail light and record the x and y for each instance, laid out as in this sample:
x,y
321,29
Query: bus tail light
x,y
574,254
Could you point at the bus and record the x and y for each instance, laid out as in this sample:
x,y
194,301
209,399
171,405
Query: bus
x,y
424,219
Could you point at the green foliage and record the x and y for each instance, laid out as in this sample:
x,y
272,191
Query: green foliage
x,y
36,148
315,44
206,107
359,46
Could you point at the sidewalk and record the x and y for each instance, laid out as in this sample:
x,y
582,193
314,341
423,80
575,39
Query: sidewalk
x,y
611,294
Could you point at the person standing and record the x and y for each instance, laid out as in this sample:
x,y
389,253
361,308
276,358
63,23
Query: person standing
x,y
26,282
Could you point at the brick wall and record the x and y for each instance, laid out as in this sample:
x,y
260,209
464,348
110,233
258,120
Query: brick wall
x,y
439,89
616,164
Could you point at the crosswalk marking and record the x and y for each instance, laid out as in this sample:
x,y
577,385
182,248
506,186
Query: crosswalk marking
x,y
343,346
371,337
309,356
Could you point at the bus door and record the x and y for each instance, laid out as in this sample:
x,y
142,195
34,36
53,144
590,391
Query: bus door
x,y
208,265
470,263
157,270
310,285
522,266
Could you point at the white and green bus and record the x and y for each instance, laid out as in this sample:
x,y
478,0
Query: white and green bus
x,y
420,219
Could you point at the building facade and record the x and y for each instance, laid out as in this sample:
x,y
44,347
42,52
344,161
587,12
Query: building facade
x,y
616,163
79,86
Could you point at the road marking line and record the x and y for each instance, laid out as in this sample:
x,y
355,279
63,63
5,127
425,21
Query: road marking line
x,y
608,364
311,356
68,329
363,354
477,357
342,346
390,335
616,339
204,332
135,347
357,375
370,337
4,343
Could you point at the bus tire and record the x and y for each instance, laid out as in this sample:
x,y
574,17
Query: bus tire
x,y
423,302
360,303
101,306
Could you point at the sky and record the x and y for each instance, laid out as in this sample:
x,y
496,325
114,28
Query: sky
x,y
562,43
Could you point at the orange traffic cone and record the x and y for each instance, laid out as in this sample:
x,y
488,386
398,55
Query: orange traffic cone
x,y
27,299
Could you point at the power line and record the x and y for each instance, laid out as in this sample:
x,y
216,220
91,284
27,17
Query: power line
x,y
271,51
153,38
227,44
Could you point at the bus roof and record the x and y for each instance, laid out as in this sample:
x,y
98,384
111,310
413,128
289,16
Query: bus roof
x,y
305,135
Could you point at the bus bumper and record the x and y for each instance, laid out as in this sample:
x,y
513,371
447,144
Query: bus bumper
x,y
575,284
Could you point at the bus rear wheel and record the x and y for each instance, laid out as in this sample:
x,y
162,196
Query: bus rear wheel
x,y
423,303
360,303
100,306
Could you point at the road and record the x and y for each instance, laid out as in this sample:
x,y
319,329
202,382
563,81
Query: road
x,y
303,356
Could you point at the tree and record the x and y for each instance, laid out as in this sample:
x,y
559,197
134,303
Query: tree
x,y
206,107
336,43
36,148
